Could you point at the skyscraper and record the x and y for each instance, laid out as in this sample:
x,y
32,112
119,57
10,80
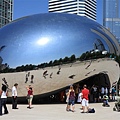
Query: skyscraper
x,y
6,12
80,7
111,18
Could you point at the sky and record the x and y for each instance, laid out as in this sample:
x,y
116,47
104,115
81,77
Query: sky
x,y
29,7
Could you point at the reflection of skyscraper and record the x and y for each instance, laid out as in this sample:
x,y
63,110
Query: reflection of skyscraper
x,y
111,18
6,12
80,7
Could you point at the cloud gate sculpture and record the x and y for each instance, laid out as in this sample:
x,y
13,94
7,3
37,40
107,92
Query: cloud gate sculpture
x,y
53,50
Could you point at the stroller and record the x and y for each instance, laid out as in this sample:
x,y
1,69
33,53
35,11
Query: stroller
x,y
117,105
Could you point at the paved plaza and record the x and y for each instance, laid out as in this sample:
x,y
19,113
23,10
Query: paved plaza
x,y
58,112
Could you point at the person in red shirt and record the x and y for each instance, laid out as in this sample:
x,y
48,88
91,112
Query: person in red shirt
x,y
30,94
85,93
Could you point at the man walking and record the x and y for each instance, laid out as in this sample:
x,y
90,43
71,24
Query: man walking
x,y
85,93
14,96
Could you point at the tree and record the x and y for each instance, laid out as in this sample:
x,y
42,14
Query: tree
x,y
72,58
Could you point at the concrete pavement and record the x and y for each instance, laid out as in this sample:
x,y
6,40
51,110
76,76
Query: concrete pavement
x,y
58,112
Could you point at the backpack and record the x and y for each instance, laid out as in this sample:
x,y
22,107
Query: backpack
x,y
91,110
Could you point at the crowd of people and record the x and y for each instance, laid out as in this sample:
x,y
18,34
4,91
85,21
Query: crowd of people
x,y
73,94
84,95
4,94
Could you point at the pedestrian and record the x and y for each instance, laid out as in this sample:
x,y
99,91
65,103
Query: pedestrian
x,y
79,100
30,95
106,90
4,94
85,93
102,92
77,89
72,98
113,92
94,92
14,96
67,100
0,103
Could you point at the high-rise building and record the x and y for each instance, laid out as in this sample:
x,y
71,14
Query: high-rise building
x,y
111,18
6,12
80,7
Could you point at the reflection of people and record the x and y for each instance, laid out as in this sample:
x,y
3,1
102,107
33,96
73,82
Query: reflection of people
x,y
14,96
30,94
26,78
32,77
85,93
4,94
5,82
45,73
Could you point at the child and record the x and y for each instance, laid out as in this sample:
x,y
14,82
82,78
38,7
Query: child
x,y
79,100
105,101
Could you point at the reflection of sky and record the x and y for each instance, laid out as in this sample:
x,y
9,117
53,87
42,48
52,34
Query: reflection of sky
x,y
39,39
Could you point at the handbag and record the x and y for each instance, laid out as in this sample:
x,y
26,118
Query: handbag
x,y
28,97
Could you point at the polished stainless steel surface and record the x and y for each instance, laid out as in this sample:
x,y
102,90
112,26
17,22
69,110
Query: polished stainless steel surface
x,y
47,37
44,37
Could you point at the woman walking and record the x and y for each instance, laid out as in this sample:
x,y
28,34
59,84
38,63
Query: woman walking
x,y
4,94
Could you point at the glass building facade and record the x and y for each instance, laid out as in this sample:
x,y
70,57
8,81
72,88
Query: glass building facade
x,y
6,12
111,18
80,7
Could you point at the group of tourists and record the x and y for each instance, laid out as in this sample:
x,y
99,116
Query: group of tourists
x,y
83,98
84,95
98,93
4,94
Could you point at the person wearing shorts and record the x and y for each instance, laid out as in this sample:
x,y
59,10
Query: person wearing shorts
x,y
30,94
85,93
72,98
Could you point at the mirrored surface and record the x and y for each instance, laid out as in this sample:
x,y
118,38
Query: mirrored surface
x,y
44,37
51,51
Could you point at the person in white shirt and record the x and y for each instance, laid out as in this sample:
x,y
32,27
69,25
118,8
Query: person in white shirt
x,y
4,94
102,92
79,100
14,96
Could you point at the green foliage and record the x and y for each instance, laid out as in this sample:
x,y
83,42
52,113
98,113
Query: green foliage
x,y
85,56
